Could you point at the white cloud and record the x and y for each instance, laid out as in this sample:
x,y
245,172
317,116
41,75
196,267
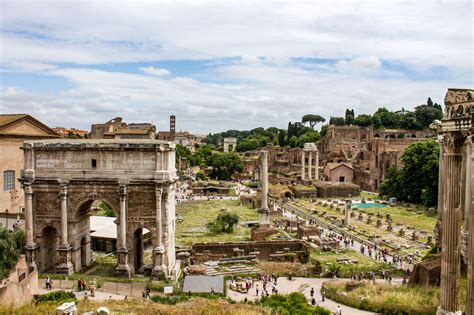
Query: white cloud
x,y
158,72
359,65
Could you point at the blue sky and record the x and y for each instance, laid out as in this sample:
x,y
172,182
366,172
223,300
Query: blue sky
x,y
220,65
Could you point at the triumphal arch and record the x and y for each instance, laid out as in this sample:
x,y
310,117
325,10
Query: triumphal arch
x,y
61,180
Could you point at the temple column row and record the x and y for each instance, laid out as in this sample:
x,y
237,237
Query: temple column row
x,y
451,224
310,165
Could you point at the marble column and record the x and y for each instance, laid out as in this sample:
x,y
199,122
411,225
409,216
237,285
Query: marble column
x,y
451,225
347,213
316,165
31,247
466,195
302,165
123,268
470,228
310,165
264,215
438,232
64,250
63,195
159,269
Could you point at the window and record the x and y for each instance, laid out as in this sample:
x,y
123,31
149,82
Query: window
x,y
342,179
8,180
94,163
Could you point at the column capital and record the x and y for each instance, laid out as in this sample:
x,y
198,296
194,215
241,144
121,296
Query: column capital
x,y
63,191
454,143
123,191
28,189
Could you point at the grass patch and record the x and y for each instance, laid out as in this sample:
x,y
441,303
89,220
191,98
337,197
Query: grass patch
x,y
56,296
197,214
293,303
389,299
365,263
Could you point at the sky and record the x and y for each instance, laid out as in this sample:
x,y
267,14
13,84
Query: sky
x,y
220,65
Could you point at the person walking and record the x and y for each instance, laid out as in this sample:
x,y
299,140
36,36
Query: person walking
x,y
338,311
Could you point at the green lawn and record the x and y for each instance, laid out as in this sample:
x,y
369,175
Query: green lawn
x,y
197,214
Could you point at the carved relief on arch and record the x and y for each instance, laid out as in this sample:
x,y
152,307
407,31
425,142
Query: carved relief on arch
x,y
141,203
46,203
453,142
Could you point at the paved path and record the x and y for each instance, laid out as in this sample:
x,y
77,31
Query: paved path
x,y
99,296
303,285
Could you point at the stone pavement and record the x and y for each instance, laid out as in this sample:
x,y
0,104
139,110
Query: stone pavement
x,y
303,285
99,296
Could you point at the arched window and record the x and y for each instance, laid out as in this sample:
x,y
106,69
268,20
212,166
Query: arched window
x,y
8,180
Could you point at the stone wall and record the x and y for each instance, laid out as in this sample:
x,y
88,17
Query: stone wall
x,y
20,286
326,190
263,250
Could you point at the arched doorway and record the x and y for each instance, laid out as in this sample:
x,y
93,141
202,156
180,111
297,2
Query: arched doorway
x,y
50,245
143,250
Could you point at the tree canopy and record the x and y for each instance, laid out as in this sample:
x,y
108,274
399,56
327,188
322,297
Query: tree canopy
x,y
225,165
417,180
224,223
12,244
312,119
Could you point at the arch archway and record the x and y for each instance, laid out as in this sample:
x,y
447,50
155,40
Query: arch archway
x,y
50,243
142,256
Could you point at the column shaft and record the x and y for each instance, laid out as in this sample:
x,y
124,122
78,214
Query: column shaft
x,y
302,165
316,166
470,229
264,215
123,219
159,219
451,226
63,194
439,220
29,215
310,165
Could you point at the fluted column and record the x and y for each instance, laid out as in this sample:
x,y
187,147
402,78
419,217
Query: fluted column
x,y
438,232
63,195
302,165
263,211
316,165
310,165
123,268
470,243
29,215
466,195
159,268
451,225
347,213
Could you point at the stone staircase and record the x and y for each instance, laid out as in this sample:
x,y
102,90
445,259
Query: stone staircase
x,y
213,266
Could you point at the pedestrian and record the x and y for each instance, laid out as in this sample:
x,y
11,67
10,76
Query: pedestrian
x,y
92,290
313,302
338,311
79,285
323,296
312,292
47,283
83,284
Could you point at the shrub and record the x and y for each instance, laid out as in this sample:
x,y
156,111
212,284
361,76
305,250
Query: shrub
x,y
169,300
224,223
56,296
293,303
12,244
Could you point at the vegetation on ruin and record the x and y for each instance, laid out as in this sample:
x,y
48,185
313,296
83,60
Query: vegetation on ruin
x,y
195,305
296,269
224,223
417,180
104,210
197,214
389,299
12,245
59,296
359,263
293,303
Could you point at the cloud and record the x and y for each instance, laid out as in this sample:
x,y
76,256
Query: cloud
x,y
158,72
359,65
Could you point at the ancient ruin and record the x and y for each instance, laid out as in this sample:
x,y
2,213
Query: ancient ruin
x,y
455,202
62,178
307,168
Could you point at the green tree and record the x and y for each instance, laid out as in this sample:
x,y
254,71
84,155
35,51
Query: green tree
x,y
350,120
338,121
293,142
248,144
363,120
200,176
312,119
281,138
107,209
12,245
225,165
224,223
417,180
308,137
426,114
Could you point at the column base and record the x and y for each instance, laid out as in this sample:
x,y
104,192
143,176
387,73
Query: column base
x,y
123,269
65,265
159,272
31,256
440,311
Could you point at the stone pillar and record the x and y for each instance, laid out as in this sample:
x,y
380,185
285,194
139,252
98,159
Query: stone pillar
x,y
169,227
31,247
347,212
159,269
63,195
310,166
438,232
264,213
316,165
466,195
451,225
302,165
470,224
122,252
64,250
